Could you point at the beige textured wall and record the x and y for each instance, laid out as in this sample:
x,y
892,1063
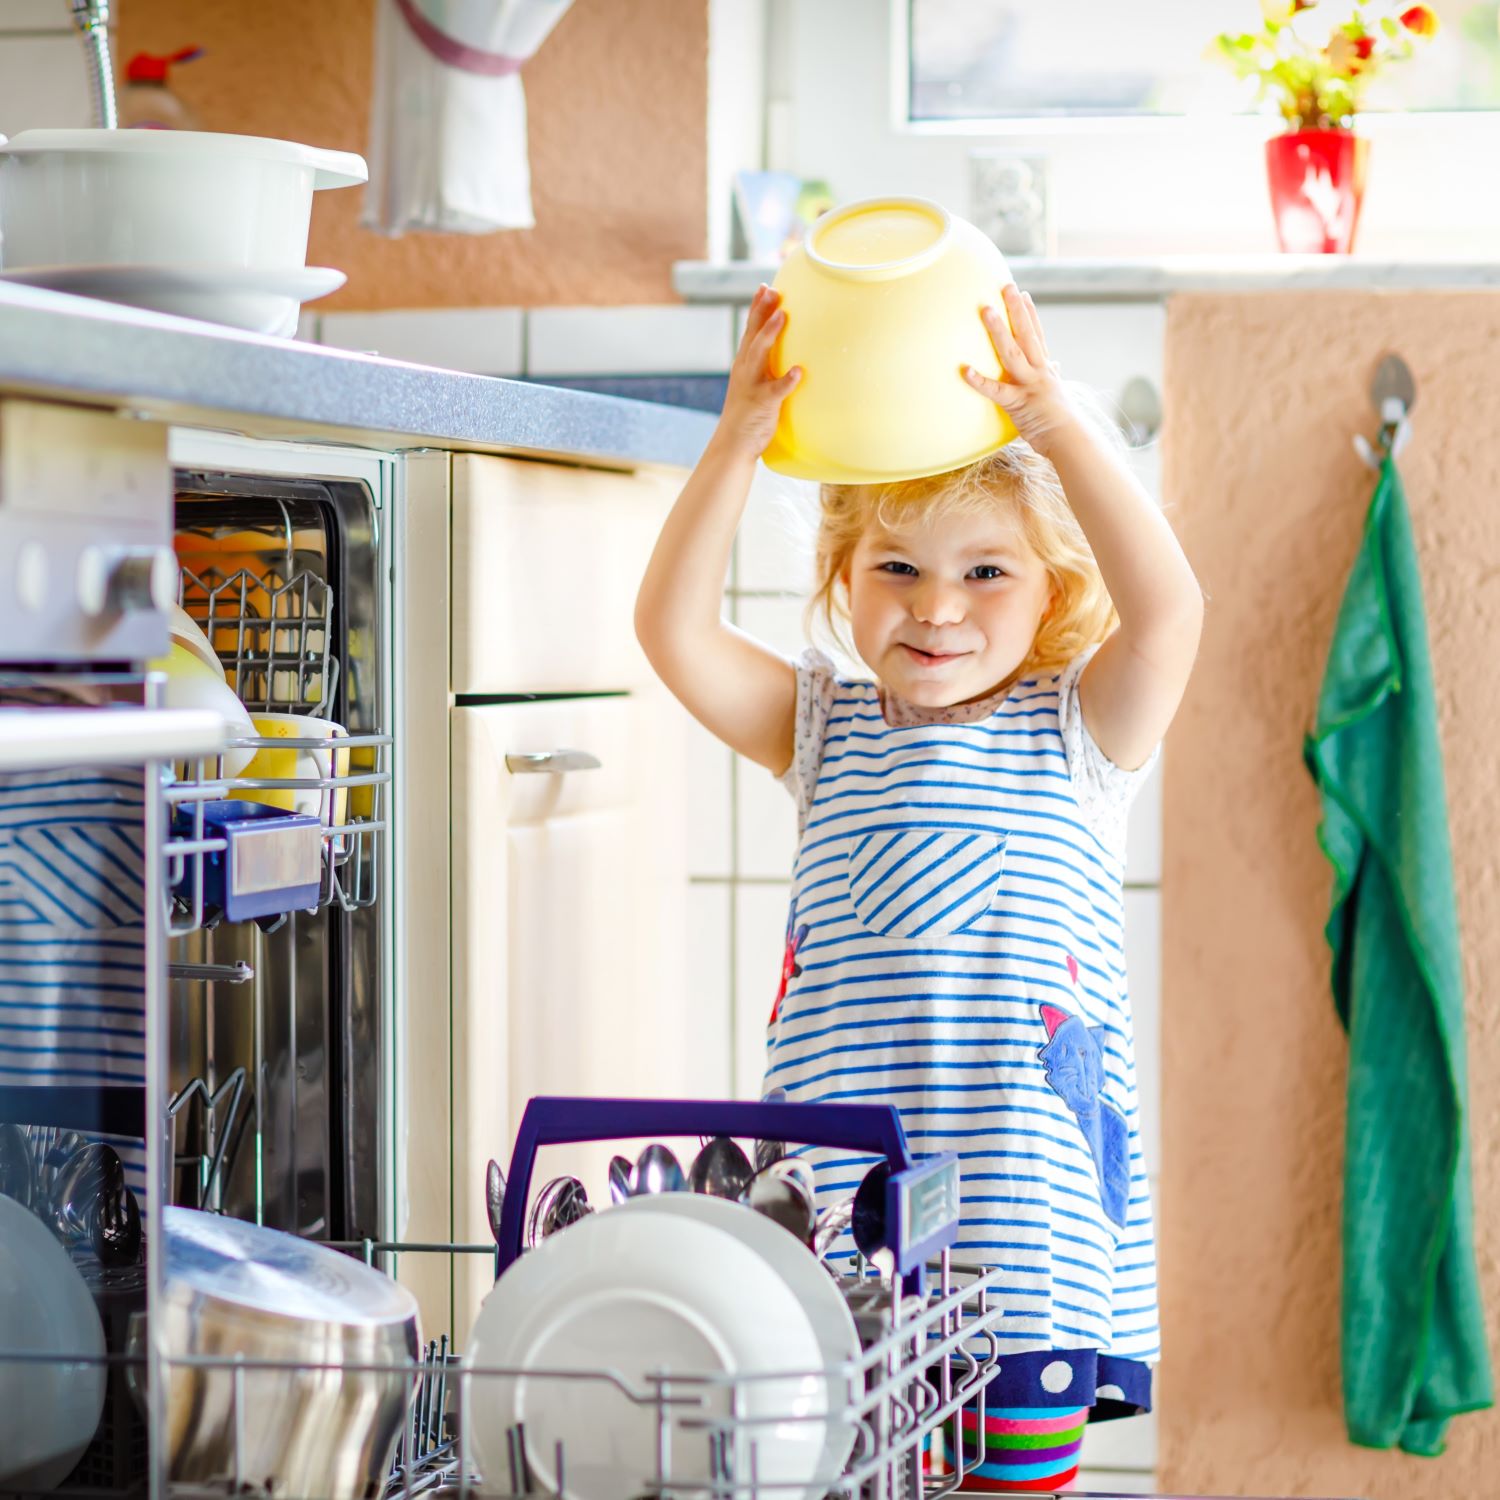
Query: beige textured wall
x,y
1263,395
618,108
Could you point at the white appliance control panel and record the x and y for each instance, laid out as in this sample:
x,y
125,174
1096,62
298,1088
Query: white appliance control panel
x,y
87,571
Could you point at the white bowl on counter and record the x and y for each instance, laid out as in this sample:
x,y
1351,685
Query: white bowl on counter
x,y
162,198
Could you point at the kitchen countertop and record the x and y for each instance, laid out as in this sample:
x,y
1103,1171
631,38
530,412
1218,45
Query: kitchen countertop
x,y
1151,280
201,375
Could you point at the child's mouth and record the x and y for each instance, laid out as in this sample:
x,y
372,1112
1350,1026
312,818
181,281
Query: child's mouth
x,y
930,658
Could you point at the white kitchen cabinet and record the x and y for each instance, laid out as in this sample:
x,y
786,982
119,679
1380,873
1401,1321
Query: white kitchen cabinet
x,y
569,924
546,945
546,562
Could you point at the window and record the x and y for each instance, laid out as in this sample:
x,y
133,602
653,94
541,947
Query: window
x,y
1001,59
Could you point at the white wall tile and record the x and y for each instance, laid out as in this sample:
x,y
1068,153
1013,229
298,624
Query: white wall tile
x,y
43,15
760,939
43,84
710,1044
629,340
1101,1482
710,802
1128,1445
767,815
1143,832
768,823
481,340
777,622
1143,969
774,549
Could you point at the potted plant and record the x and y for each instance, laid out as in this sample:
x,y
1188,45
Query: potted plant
x,y
1314,61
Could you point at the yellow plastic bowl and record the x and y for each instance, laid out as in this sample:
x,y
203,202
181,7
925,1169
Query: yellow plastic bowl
x,y
291,763
882,305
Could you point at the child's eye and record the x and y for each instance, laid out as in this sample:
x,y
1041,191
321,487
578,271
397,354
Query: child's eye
x,y
988,571
900,569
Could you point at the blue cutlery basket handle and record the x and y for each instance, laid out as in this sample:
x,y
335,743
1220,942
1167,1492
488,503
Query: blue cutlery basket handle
x,y
554,1120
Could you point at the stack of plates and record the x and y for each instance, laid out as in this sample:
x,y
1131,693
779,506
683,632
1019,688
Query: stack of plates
x,y
677,1284
260,301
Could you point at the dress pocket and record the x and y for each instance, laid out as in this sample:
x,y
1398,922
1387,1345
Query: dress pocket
x,y
923,881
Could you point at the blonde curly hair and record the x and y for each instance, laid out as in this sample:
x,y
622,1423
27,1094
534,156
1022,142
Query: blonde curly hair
x,y
1016,480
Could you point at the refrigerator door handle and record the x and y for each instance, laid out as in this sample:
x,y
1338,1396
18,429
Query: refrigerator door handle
x,y
555,761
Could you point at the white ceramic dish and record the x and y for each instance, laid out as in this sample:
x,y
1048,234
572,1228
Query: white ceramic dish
x,y
189,634
832,1323
48,1412
259,301
634,1290
161,198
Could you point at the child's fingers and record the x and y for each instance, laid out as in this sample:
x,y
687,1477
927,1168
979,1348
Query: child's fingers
x,y
786,384
763,306
1012,356
995,390
1028,326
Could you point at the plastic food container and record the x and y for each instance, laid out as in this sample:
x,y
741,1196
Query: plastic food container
x,y
882,301
161,198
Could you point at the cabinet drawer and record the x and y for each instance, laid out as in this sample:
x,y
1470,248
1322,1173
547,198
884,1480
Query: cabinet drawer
x,y
547,559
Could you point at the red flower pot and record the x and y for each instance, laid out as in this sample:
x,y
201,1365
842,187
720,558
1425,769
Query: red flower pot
x,y
1317,182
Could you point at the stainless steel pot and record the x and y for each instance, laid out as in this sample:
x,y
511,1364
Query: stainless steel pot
x,y
321,1426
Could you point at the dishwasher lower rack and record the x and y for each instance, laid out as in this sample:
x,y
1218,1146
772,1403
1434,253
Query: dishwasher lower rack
x,y
932,1356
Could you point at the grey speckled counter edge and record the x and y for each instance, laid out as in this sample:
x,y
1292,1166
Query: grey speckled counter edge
x,y
198,374
1153,280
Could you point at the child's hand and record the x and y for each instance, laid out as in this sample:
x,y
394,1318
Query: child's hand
x,y
752,406
1030,390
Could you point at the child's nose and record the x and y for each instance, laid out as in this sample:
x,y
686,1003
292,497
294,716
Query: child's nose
x,y
938,603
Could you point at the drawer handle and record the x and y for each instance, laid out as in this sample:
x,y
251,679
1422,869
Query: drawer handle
x,y
556,761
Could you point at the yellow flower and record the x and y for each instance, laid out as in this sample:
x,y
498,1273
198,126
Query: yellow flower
x,y
1277,12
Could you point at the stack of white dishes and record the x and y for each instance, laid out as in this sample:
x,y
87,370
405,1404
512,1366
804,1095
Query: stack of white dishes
x,y
49,1408
679,1284
186,222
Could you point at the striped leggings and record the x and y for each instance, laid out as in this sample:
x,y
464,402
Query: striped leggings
x,y
1024,1448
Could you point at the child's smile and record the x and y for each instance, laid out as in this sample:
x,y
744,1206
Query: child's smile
x,y
946,612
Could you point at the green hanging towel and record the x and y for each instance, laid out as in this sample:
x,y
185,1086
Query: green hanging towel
x,y
1412,1324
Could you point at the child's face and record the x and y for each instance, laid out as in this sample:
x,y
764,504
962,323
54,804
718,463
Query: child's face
x,y
945,613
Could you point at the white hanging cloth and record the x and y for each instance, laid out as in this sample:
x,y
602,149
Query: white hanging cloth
x,y
448,120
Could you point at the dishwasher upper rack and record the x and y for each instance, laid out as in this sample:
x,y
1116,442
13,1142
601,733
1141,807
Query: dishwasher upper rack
x,y
352,806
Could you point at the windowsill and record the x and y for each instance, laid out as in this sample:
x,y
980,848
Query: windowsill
x,y
1149,279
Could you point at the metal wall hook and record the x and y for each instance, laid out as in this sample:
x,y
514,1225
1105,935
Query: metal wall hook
x,y
1393,394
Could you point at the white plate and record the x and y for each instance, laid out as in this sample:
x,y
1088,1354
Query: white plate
x,y
634,1290
48,1412
260,301
832,1323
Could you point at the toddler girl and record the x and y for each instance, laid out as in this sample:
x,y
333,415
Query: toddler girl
x,y
954,943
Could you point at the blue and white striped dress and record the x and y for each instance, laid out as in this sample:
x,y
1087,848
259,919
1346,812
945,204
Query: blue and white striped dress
x,y
955,948
72,935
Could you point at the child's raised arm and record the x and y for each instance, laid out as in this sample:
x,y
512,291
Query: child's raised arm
x,y
739,689
1130,691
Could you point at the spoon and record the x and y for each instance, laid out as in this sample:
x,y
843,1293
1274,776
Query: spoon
x,y
656,1170
87,1177
117,1229
17,1168
783,1197
494,1196
868,1221
721,1170
562,1202
768,1151
619,1179
832,1222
